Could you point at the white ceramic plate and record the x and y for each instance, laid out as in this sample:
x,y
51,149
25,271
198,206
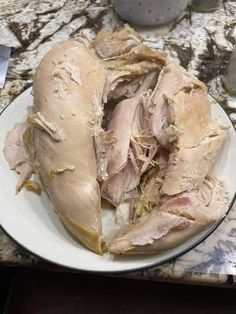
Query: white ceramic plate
x,y
30,220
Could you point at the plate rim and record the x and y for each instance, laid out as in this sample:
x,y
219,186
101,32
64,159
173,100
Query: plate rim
x,y
141,268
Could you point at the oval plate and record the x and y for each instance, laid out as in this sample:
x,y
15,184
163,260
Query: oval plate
x,y
30,220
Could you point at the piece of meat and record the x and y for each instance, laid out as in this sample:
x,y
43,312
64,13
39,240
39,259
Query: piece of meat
x,y
150,188
172,78
206,204
132,69
188,213
136,86
127,89
139,85
188,166
126,43
148,83
67,88
17,155
104,144
133,151
181,121
127,60
147,231
123,40
189,107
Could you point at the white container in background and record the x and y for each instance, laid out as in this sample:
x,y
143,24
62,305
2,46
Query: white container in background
x,y
149,12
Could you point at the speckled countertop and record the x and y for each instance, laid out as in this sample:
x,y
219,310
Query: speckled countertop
x,y
201,43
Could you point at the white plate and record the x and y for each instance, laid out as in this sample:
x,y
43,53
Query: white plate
x,y
31,221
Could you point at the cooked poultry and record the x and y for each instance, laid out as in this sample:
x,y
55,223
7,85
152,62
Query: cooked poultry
x,y
150,189
60,128
151,149
66,160
133,152
188,166
181,120
190,211
179,102
172,78
17,155
128,61
132,69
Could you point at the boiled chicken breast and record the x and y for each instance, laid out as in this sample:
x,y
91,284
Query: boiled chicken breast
x,y
181,121
172,78
175,220
150,229
188,166
67,84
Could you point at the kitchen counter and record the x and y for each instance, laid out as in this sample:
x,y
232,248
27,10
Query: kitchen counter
x,y
201,43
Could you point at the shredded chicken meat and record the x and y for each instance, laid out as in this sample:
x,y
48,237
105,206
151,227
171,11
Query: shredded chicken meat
x,y
133,152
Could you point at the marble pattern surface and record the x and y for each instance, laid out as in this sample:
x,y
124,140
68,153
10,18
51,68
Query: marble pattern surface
x,y
201,43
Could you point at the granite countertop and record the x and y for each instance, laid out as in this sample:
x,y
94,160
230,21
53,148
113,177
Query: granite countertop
x,y
201,43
